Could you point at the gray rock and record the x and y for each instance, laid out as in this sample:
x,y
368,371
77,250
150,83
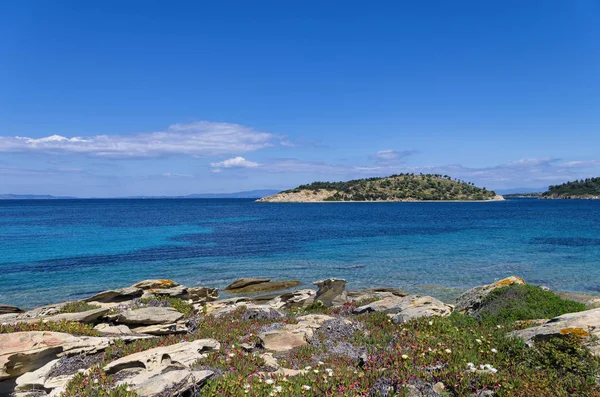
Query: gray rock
x,y
419,388
387,304
162,329
331,292
173,383
471,301
293,335
115,296
150,316
421,306
299,299
6,309
370,293
113,329
202,294
407,308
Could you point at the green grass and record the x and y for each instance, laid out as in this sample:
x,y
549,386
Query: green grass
x,y
77,307
524,302
70,327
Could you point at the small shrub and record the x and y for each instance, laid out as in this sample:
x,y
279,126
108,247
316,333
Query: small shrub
x,y
95,384
567,356
524,302
315,307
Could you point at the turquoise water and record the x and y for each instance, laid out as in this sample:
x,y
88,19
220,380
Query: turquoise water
x,y
67,249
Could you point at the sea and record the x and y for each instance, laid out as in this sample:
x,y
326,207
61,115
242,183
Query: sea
x,y
58,250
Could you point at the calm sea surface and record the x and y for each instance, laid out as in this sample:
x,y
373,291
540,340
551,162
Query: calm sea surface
x,y
67,249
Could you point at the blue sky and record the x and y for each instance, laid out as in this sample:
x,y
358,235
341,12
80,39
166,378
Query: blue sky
x,y
119,98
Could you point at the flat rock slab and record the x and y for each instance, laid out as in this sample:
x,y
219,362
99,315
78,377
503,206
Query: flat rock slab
x,y
22,352
6,309
389,304
585,325
150,316
117,295
267,286
176,292
293,335
183,354
162,329
469,302
113,329
155,284
172,382
244,282
88,316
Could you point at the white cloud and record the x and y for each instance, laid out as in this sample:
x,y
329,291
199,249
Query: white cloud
x,y
234,162
195,139
534,172
389,156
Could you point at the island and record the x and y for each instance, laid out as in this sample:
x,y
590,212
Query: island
x,y
394,188
579,189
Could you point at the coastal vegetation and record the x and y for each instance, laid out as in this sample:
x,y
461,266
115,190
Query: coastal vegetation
x,y
77,307
578,189
521,302
370,343
69,327
399,187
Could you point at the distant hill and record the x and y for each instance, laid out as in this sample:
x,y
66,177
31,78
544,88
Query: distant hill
x,y
521,190
522,195
402,187
579,189
247,194
32,197
250,194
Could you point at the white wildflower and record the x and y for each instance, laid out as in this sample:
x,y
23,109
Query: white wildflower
x,y
306,387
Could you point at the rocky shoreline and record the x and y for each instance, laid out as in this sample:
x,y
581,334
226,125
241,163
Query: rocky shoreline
x,y
160,338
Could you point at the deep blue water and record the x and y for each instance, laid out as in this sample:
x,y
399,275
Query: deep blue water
x,y
66,249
